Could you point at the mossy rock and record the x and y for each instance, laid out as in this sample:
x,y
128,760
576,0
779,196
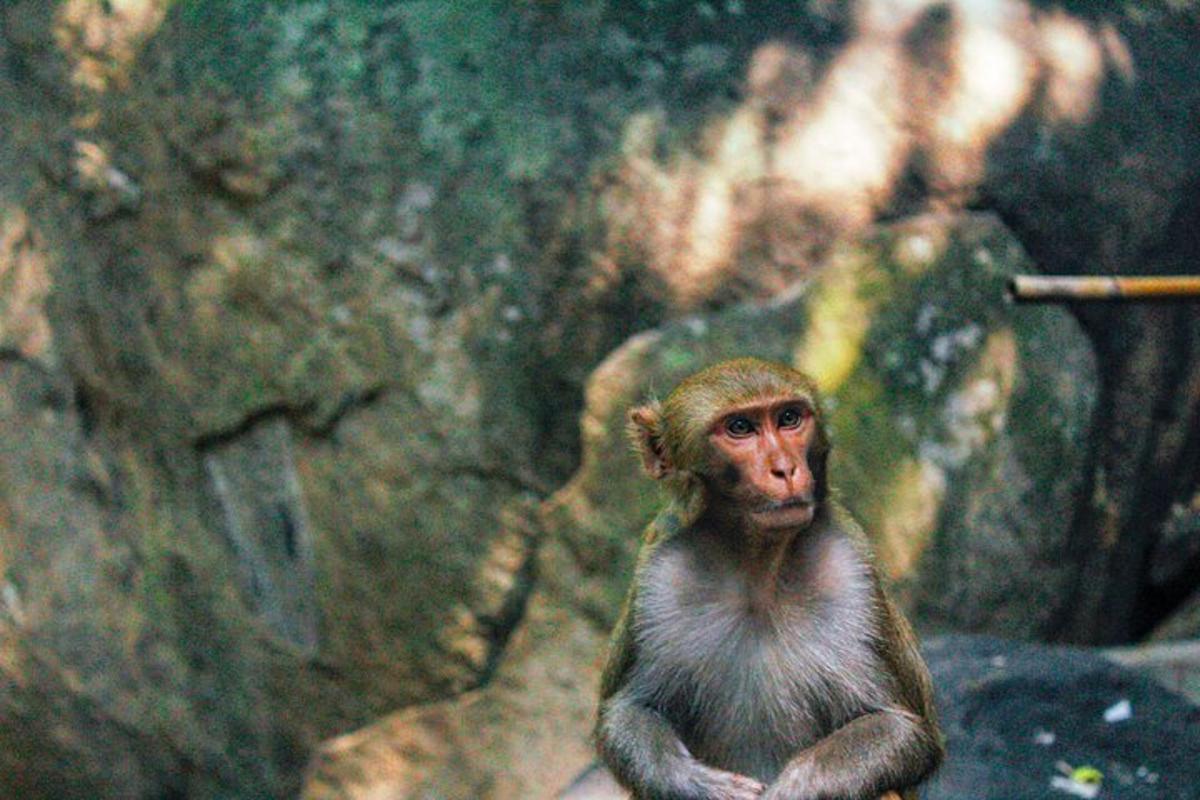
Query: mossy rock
x,y
958,420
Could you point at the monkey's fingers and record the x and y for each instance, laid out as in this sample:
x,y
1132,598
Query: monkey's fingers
x,y
746,789
732,786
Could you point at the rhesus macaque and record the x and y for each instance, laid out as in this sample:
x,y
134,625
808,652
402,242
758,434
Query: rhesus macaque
x,y
757,655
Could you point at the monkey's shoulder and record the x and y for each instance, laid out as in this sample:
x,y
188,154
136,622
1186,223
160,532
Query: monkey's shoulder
x,y
666,525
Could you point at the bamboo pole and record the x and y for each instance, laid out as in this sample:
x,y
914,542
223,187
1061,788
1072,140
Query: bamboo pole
x,y
1060,288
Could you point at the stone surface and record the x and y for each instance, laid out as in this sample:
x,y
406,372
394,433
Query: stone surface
x,y
524,735
1176,665
268,431
1012,711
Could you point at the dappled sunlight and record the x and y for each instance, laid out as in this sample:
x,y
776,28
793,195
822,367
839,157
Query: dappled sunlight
x,y
684,218
25,283
711,239
234,277
992,82
832,343
1074,62
913,498
893,18
917,98
843,157
1116,51
102,39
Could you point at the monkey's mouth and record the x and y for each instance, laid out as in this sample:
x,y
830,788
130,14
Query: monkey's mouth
x,y
785,513
791,502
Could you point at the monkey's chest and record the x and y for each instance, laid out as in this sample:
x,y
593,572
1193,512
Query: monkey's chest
x,y
746,687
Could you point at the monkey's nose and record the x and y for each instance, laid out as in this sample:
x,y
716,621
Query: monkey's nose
x,y
785,471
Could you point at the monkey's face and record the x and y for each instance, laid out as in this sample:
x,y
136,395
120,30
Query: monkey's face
x,y
761,454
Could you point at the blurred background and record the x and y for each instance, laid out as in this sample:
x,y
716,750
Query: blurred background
x,y
319,320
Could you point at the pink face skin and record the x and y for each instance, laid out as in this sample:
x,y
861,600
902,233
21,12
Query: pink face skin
x,y
768,445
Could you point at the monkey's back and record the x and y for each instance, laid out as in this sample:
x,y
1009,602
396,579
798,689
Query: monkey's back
x,y
751,685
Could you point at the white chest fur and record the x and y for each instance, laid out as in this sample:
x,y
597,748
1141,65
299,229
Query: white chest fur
x,y
748,684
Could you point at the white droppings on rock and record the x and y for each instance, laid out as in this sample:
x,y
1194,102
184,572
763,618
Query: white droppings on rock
x,y
932,374
970,417
925,318
420,330
399,252
1118,712
945,348
12,602
916,250
411,208
948,346
417,196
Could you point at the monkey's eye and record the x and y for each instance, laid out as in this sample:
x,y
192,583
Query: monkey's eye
x,y
791,417
739,427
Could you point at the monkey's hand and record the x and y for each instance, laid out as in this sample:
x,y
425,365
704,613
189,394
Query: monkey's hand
x,y
717,784
862,759
646,755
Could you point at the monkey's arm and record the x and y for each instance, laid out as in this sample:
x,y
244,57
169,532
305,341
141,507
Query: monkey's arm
x,y
647,757
868,756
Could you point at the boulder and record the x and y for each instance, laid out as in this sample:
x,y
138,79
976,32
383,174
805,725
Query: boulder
x,y
266,466
958,420
1015,713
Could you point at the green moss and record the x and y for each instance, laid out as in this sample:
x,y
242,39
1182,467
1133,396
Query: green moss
x,y
869,447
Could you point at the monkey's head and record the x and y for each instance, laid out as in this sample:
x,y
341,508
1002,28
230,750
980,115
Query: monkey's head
x,y
749,433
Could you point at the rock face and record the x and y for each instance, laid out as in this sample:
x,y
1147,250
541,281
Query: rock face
x,y
244,364
525,735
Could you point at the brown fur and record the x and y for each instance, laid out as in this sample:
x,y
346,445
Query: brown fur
x,y
752,662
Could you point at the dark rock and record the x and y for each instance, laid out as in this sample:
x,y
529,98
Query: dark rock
x,y
995,697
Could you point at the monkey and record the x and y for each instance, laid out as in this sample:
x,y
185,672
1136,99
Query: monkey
x,y
757,654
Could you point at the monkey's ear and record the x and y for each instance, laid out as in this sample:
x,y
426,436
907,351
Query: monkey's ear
x,y
645,428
